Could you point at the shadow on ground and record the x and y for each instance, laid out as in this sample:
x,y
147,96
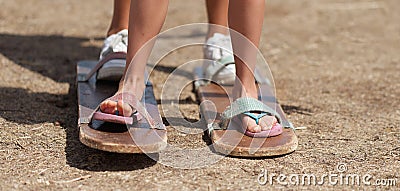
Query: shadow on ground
x,y
290,109
51,56
55,57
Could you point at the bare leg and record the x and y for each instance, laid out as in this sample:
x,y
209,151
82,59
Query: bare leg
x,y
145,21
115,41
217,11
246,17
120,17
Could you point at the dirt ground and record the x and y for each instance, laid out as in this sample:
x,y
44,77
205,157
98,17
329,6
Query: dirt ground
x,y
336,66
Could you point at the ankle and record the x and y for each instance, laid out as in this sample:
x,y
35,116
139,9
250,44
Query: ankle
x,y
217,29
245,90
132,84
115,30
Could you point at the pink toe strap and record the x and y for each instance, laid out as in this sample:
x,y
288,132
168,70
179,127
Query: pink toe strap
x,y
132,100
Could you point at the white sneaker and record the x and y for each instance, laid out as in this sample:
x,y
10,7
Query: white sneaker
x,y
218,48
113,69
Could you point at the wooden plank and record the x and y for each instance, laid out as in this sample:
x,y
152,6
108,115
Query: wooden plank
x,y
135,138
232,141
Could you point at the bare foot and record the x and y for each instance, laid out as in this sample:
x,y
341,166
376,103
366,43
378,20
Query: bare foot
x,y
120,107
265,123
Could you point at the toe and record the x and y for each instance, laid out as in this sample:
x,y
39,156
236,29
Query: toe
x,y
251,125
267,122
124,109
256,129
265,126
108,106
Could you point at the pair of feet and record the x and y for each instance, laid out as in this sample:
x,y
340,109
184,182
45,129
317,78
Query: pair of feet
x,y
218,47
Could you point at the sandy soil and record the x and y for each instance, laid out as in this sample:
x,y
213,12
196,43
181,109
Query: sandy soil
x,y
336,66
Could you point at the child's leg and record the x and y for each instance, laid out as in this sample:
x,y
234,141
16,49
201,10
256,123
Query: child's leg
x,y
218,46
145,21
116,41
246,17
217,12
120,17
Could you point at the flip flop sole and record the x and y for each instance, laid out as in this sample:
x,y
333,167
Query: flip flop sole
x,y
112,137
122,142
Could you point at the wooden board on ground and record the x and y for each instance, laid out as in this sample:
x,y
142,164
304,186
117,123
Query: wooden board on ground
x,y
232,141
135,138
